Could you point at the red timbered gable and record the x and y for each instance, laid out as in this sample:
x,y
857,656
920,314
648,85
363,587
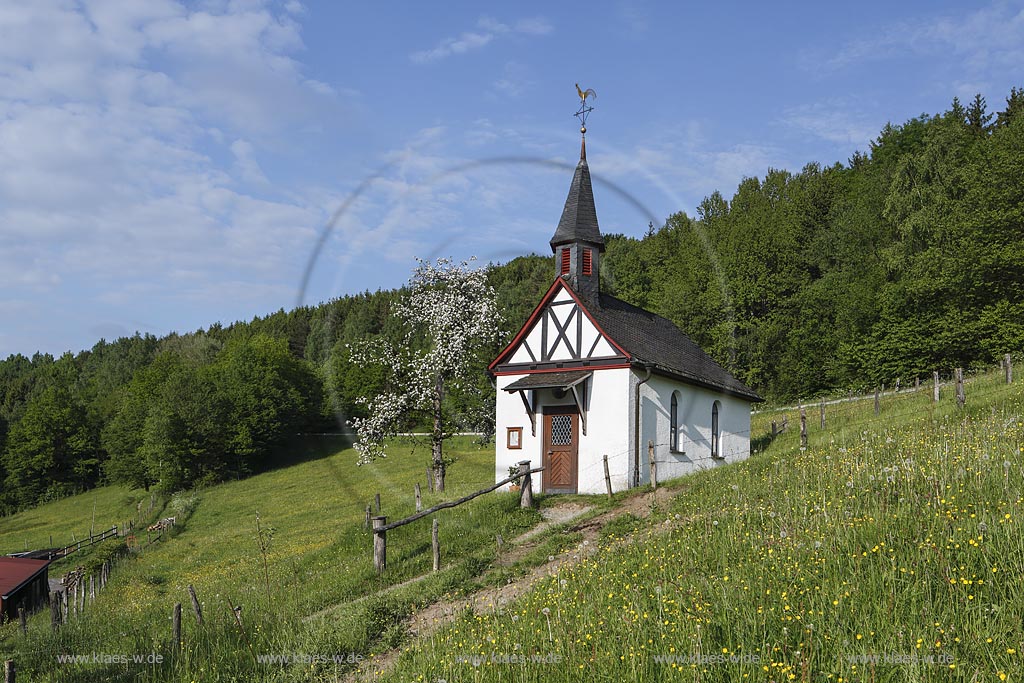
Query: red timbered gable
x,y
560,334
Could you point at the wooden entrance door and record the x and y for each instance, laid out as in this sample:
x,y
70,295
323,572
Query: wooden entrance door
x,y
561,449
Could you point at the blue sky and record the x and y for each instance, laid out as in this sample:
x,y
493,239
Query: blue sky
x,y
165,165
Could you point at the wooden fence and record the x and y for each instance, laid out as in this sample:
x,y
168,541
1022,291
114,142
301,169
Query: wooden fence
x,y
78,591
381,527
84,543
879,392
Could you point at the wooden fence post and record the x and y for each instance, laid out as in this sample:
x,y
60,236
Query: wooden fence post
x,y
961,397
1008,368
803,428
525,484
917,383
775,429
821,409
653,465
92,588
878,405
607,477
419,499
430,480
435,545
9,671
376,499
55,602
22,621
897,385
195,605
935,386
380,551
176,626
785,423
369,514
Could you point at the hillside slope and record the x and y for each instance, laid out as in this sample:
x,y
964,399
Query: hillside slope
x,y
890,550
318,556
893,535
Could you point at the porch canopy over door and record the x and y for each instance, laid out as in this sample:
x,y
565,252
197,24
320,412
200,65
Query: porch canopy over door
x,y
570,381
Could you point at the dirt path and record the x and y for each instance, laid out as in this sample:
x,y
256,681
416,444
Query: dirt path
x,y
433,617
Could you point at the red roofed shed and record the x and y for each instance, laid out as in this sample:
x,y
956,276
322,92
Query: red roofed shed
x,y
23,583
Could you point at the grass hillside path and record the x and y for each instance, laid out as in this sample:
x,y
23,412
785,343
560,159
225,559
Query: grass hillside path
x,y
426,621
553,516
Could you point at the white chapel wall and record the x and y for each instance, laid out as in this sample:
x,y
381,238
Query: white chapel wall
x,y
608,427
694,410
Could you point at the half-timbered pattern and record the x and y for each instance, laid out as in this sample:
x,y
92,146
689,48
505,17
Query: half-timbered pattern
x,y
589,375
561,333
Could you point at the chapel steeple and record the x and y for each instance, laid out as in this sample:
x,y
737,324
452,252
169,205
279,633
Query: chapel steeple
x,y
577,242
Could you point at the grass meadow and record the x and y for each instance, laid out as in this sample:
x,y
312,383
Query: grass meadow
x,y
319,562
67,520
889,550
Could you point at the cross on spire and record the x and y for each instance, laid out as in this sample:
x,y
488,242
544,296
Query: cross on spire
x,y
582,113
577,242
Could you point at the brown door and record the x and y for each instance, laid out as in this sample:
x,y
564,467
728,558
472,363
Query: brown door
x,y
561,449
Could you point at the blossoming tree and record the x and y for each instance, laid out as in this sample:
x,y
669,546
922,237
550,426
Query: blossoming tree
x,y
451,316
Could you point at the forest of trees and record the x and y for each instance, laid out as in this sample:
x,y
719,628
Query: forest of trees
x,y
907,258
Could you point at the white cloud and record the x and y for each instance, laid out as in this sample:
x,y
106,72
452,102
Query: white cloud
x,y
635,17
129,157
684,166
992,35
514,81
835,121
453,46
246,163
487,30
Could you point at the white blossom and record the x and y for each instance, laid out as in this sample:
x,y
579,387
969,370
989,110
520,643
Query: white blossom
x,y
450,314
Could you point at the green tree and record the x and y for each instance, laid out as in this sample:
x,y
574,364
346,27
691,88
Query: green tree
x,y
123,435
1014,108
51,451
271,393
184,437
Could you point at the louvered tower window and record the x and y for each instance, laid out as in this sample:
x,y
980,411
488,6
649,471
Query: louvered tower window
x,y
588,262
565,261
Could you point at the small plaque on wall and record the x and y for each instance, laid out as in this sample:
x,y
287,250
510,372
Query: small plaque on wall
x,y
515,438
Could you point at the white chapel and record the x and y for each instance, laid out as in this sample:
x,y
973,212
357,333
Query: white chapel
x,y
589,376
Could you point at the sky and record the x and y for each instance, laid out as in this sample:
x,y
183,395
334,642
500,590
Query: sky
x,y
167,165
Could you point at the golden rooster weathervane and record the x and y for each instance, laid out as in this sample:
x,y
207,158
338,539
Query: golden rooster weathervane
x,y
585,108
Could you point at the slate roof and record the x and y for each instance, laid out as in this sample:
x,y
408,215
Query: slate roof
x,y
656,341
579,216
549,380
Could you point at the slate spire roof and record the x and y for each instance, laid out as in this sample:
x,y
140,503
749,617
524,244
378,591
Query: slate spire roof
x,y
579,217
647,339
